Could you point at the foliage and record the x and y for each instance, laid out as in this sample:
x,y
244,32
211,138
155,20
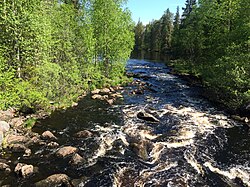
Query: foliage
x,y
213,38
49,49
155,36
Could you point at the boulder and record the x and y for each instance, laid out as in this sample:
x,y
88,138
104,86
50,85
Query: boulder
x,y
54,180
11,139
24,170
66,151
4,126
147,117
83,134
47,135
76,159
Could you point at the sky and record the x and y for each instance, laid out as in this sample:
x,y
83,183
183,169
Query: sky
x,y
147,10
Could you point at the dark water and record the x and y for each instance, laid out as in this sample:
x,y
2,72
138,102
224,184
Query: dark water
x,y
192,144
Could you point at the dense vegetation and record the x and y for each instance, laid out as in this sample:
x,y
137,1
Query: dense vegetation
x,y
51,51
210,40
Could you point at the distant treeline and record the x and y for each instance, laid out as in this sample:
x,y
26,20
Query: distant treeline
x,y
210,40
51,51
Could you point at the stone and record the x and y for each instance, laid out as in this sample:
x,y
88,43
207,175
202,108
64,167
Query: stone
x,y
47,135
76,159
97,91
24,170
83,134
27,170
4,126
54,180
97,96
11,139
147,117
66,151
105,90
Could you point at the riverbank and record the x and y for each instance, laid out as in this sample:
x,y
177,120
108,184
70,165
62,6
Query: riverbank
x,y
239,110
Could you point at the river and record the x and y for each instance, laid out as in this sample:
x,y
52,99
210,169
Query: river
x,y
163,133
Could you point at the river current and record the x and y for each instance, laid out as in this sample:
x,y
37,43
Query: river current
x,y
163,133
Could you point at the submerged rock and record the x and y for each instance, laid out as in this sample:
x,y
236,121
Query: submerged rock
x,y
140,149
66,151
54,180
147,117
83,134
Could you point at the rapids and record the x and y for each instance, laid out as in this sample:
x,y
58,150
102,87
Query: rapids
x,y
188,143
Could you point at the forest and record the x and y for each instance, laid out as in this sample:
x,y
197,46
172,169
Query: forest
x,y
52,51
210,40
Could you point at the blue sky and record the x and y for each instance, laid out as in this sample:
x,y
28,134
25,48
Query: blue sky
x,y
147,10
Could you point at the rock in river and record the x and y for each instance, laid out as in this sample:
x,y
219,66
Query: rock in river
x,y
47,135
83,134
147,117
16,139
54,180
66,151
76,159
24,170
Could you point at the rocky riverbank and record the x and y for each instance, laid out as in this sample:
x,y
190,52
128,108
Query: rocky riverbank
x,y
16,138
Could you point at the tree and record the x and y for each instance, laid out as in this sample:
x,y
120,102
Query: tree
x,y
113,32
166,31
139,36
